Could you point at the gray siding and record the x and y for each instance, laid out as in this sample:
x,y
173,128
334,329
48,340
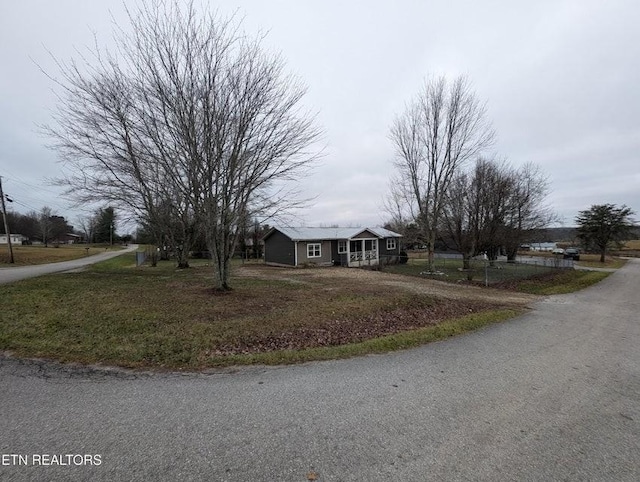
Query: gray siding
x,y
382,244
325,252
335,258
279,249
365,234
339,259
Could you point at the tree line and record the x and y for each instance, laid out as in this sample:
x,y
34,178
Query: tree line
x,y
47,227
195,132
487,207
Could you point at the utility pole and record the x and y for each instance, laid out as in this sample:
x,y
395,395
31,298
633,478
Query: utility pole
x,y
6,224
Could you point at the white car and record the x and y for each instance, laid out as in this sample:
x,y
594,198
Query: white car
x,y
557,251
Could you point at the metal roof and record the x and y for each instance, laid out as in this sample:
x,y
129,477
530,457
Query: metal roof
x,y
310,234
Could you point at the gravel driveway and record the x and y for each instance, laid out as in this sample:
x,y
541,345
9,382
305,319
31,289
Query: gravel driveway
x,y
551,395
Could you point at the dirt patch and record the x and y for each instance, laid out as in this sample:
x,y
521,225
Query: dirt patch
x,y
441,301
429,287
343,331
164,317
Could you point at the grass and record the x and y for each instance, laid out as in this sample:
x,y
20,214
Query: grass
x,y
633,244
385,344
532,279
39,254
451,270
116,314
560,282
593,261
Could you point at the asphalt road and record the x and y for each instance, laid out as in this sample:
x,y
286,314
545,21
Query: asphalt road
x,y
551,395
9,275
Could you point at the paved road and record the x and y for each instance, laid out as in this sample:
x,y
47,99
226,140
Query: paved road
x,y
9,275
551,395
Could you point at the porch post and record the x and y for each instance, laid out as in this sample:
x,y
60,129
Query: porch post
x,y
377,252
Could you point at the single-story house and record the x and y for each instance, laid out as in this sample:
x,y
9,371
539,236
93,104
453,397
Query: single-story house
x,y
68,238
15,238
542,246
353,247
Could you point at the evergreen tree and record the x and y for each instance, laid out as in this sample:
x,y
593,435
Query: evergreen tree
x,y
602,225
105,225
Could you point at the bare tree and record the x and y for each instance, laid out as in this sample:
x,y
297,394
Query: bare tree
x,y
475,209
492,208
45,223
527,209
442,128
495,181
87,224
191,128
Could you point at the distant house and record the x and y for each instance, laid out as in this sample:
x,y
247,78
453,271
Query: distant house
x,y
542,246
68,238
15,239
353,247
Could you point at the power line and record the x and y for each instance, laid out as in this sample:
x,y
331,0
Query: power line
x,y
18,180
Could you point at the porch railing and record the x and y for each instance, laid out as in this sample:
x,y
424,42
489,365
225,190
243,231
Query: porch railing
x,y
363,255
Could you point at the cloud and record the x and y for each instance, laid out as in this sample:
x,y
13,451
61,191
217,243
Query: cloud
x,y
560,80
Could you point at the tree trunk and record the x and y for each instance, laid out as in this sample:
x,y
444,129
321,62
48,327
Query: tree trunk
x,y
602,254
492,254
182,264
466,266
431,248
221,274
182,257
221,264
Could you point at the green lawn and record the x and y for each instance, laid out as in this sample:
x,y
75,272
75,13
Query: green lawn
x,y
451,270
39,254
560,282
159,317
115,313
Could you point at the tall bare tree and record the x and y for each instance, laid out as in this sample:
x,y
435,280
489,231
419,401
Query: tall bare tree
x,y
45,224
191,128
527,208
475,209
442,128
87,225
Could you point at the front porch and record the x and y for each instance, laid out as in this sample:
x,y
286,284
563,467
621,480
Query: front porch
x,y
356,253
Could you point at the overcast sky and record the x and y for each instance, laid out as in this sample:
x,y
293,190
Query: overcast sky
x,y
561,80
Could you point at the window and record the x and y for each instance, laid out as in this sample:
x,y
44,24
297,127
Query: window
x,y
313,250
391,244
342,247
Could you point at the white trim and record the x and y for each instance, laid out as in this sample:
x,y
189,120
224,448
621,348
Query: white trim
x,y
295,253
346,246
363,257
319,250
391,241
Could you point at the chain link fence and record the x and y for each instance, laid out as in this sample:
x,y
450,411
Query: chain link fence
x,y
451,268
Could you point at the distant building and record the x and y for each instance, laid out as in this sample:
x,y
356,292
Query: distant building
x,y
542,246
68,239
15,238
